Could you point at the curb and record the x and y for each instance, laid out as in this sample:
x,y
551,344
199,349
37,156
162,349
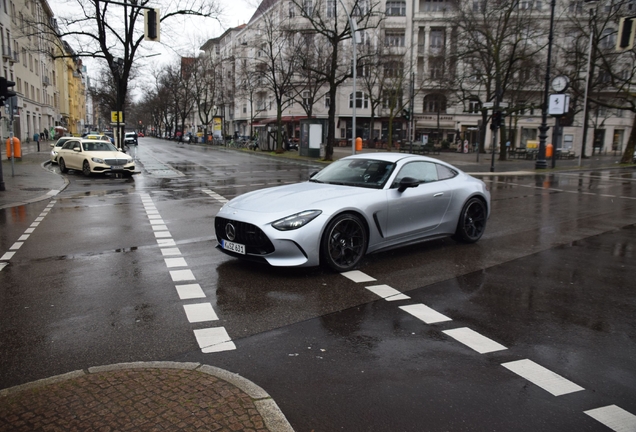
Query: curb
x,y
273,417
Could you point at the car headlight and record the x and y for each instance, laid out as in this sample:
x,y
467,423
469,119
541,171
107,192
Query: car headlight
x,y
296,221
97,160
129,160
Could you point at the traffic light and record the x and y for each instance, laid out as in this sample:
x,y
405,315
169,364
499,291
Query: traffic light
x,y
626,29
496,120
406,113
151,25
5,91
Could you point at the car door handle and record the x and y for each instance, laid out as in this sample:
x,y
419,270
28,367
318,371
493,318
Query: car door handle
x,y
438,194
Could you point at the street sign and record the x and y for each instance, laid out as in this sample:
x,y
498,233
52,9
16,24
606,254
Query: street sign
x,y
116,116
559,104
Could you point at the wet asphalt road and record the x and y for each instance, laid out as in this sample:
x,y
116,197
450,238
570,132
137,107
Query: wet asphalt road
x,y
551,281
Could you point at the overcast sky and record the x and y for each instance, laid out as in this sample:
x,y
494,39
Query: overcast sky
x,y
183,37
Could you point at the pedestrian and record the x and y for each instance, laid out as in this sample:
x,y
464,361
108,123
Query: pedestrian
x,y
36,138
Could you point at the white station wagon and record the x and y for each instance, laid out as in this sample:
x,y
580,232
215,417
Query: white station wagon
x,y
93,156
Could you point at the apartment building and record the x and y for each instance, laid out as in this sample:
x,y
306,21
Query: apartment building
x,y
51,92
424,37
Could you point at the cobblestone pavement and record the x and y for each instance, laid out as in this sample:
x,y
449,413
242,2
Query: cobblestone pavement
x,y
141,397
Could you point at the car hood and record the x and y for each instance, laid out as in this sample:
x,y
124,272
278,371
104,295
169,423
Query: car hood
x,y
107,155
297,197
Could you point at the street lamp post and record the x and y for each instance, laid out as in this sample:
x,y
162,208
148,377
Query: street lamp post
x,y
543,129
587,78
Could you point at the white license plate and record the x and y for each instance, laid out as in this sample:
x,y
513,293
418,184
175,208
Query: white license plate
x,y
116,168
233,247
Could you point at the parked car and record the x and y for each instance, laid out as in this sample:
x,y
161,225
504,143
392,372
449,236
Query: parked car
x,y
93,156
131,138
357,205
140,134
56,146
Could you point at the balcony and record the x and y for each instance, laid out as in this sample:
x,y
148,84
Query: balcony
x,y
6,53
45,81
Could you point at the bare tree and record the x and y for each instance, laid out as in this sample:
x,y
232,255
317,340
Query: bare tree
x,y
495,43
206,80
612,73
333,29
114,32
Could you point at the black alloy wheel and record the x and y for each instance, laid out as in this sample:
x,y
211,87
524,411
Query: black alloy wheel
x,y
344,242
472,221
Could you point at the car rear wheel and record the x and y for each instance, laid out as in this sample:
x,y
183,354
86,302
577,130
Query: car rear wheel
x,y
472,221
62,165
344,242
86,168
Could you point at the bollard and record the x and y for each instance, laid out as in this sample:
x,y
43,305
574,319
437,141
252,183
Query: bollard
x,y
358,144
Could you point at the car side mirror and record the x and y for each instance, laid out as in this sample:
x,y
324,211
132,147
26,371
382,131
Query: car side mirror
x,y
77,149
407,182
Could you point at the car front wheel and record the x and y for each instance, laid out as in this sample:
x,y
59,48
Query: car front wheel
x,y
472,221
344,242
86,169
62,165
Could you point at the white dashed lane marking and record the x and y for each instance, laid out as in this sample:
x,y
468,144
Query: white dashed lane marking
x,y
387,293
542,377
425,313
214,339
210,339
357,276
200,312
474,340
614,417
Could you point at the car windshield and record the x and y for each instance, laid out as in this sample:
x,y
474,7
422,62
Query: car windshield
x,y
369,173
99,146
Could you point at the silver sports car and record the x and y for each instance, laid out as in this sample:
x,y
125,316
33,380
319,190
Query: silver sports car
x,y
357,205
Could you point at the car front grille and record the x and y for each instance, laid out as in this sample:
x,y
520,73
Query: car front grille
x,y
254,239
116,162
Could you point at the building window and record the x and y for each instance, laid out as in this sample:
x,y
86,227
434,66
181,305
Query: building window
x,y
292,10
434,103
608,38
327,101
306,98
436,67
396,8
331,8
434,5
361,8
394,39
474,106
308,7
393,69
362,100
437,38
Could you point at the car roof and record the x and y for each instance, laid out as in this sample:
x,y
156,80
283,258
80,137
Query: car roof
x,y
395,157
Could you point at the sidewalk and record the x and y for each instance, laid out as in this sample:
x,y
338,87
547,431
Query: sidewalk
x,y
28,180
158,396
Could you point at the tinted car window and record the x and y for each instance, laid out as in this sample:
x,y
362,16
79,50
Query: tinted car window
x,y
423,171
444,172
69,144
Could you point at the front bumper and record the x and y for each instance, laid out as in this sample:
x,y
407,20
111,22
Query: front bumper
x,y
268,245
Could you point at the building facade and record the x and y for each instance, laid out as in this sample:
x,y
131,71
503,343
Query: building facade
x,y
436,106
50,89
